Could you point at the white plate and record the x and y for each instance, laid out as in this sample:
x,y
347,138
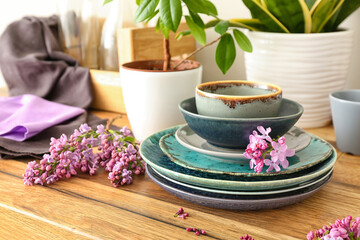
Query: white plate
x,y
229,192
295,138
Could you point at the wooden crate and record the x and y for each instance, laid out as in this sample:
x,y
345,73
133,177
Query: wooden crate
x,y
107,91
145,43
134,44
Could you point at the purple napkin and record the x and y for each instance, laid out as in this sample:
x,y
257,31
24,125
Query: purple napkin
x,y
24,116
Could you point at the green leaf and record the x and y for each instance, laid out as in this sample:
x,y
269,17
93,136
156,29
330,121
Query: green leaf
x,y
182,34
295,15
261,13
138,2
164,29
157,26
348,7
201,6
197,19
197,31
152,16
242,40
222,27
145,10
107,1
211,23
322,14
171,13
225,53
251,24
310,3
129,139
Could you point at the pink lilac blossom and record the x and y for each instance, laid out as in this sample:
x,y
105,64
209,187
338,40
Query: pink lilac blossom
x,y
342,229
258,148
119,155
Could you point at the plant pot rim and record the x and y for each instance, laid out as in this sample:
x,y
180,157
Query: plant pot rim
x,y
341,31
143,66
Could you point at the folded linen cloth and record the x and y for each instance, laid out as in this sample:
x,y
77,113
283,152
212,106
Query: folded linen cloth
x,y
26,115
39,144
32,62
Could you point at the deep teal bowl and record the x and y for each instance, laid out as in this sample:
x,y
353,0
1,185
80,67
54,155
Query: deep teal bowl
x,y
234,132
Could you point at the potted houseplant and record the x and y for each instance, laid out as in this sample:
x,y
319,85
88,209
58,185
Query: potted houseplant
x,y
152,89
298,46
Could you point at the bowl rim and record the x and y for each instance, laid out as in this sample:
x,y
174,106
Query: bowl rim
x,y
199,90
298,105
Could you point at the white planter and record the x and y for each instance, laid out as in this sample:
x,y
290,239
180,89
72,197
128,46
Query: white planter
x,y
151,97
306,66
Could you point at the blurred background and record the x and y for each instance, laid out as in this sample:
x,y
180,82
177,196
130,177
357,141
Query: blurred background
x,y
16,9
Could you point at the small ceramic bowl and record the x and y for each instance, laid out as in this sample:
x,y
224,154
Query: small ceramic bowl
x,y
234,132
238,99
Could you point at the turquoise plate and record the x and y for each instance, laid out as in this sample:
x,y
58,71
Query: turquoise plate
x,y
316,152
152,155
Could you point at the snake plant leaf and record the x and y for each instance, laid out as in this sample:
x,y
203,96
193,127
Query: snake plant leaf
x,y
295,14
348,7
310,3
251,24
225,53
266,17
171,13
197,31
242,40
323,13
201,6
107,1
222,27
145,9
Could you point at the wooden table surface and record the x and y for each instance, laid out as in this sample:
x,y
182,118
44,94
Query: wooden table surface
x,y
88,207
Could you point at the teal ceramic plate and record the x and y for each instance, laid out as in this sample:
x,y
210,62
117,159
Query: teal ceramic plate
x,y
296,138
266,192
316,152
152,155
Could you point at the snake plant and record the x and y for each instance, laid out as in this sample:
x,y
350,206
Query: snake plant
x,y
297,16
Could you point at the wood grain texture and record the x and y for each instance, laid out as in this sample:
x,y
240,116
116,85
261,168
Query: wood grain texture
x,y
145,43
92,209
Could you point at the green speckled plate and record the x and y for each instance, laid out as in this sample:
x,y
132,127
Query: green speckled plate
x,y
152,155
316,152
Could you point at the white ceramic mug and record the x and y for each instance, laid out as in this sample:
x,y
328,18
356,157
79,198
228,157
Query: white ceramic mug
x,y
345,109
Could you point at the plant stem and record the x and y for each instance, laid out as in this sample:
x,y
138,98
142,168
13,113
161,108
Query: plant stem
x,y
196,51
167,56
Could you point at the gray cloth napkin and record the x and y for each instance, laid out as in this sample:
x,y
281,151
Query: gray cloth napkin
x,y
32,62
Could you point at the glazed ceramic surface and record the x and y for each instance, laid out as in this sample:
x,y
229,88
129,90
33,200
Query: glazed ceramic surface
x,y
236,202
228,192
151,97
345,107
238,99
315,153
234,132
296,139
308,67
152,155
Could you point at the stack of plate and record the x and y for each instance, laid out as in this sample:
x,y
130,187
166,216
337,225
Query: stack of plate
x,y
188,167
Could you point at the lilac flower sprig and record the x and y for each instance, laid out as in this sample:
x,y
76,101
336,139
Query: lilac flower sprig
x,y
119,151
342,229
261,145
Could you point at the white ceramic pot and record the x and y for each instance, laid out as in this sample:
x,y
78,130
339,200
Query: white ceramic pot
x,y
308,67
151,97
